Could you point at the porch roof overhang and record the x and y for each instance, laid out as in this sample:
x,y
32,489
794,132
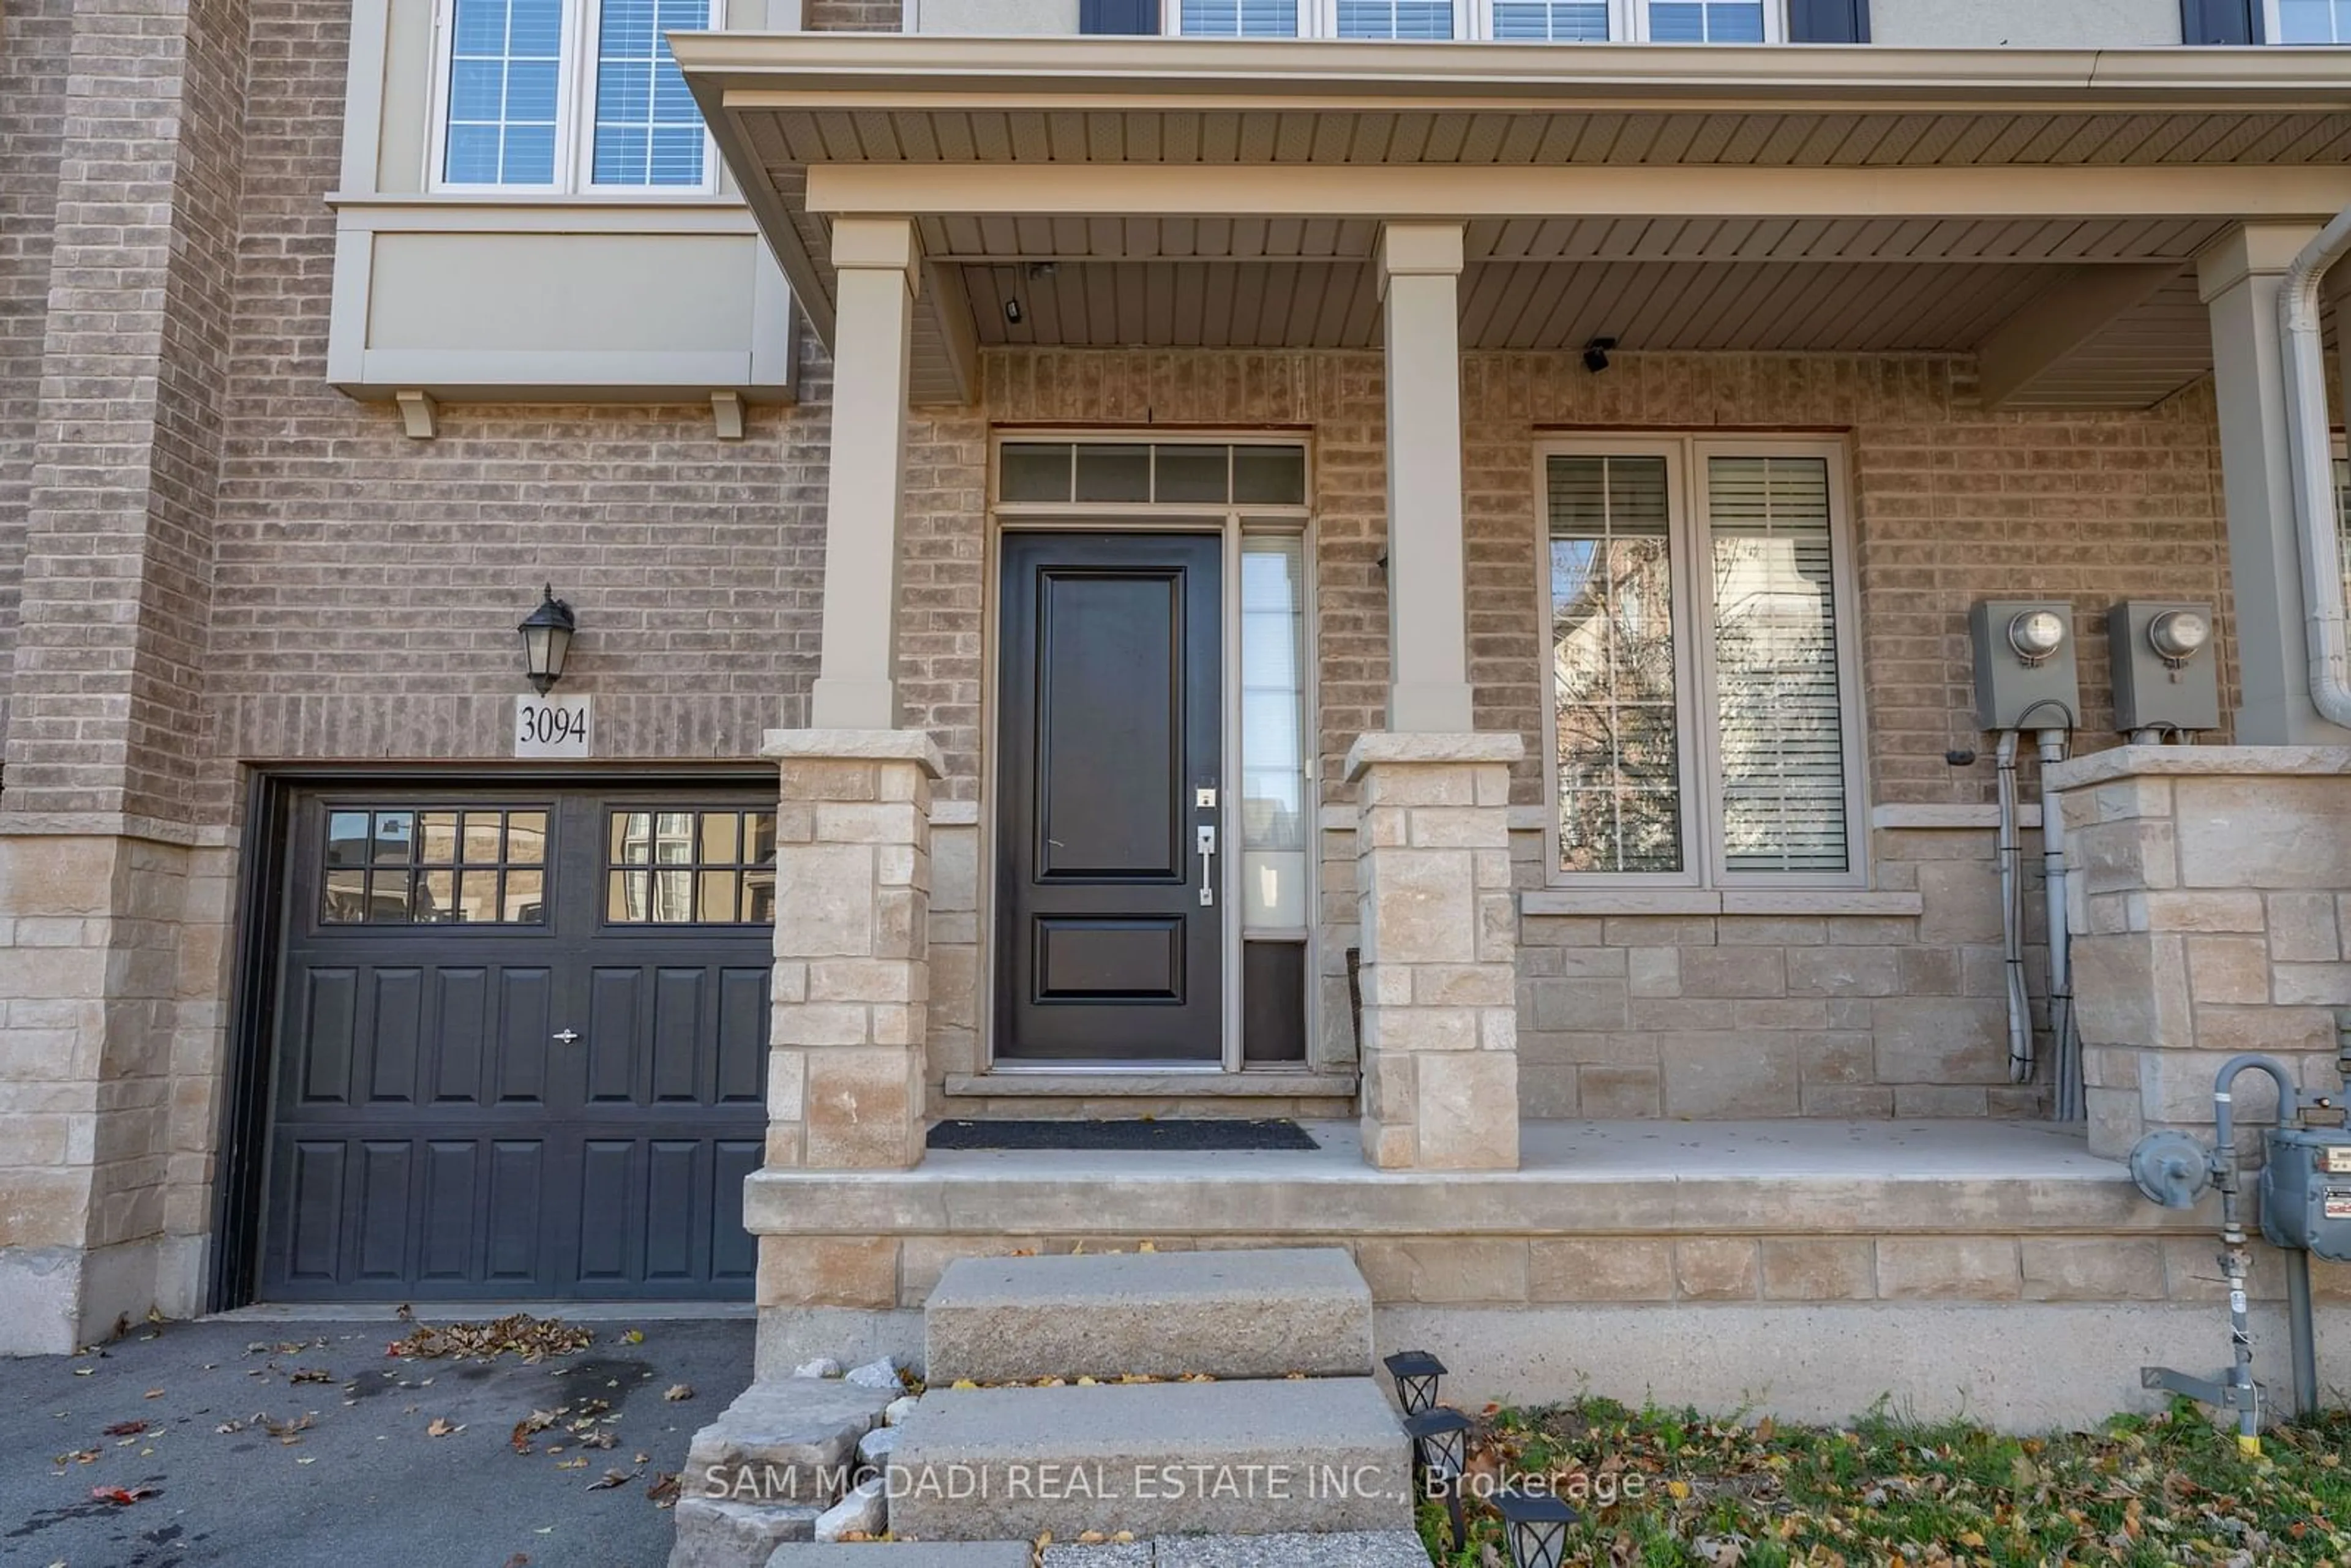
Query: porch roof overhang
x,y
2041,208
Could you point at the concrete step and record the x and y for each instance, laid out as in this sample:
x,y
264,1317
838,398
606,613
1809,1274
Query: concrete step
x,y
1157,1459
785,1441
913,1554
1355,1549
1262,1313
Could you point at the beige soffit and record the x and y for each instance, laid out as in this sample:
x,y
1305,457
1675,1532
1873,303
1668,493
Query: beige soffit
x,y
910,125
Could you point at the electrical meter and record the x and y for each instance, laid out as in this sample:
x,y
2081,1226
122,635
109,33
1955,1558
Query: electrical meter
x,y
2306,1190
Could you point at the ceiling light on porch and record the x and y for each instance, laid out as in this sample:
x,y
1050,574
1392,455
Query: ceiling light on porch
x,y
547,640
1416,1372
1534,1524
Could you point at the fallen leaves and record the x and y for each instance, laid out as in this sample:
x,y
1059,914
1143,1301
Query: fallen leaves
x,y
126,1428
611,1479
121,1496
310,1374
538,1421
518,1334
443,1427
663,1491
677,1391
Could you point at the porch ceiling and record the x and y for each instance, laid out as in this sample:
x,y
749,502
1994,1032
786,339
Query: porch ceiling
x,y
1783,199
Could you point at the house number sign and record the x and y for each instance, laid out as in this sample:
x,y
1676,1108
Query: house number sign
x,y
552,726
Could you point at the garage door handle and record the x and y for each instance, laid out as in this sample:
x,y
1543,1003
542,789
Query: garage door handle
x,y
567,1036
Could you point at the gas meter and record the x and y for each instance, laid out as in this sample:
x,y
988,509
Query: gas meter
x,y
2306,1191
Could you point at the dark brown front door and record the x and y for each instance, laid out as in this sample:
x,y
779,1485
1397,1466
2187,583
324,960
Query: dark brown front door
x,y
1110,696
521,1045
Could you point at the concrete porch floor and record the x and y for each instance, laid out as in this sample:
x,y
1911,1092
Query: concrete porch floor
x,y
1575,1178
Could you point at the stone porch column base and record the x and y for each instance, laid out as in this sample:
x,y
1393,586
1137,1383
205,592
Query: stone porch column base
x,y
2211,882
1440,1035
852,986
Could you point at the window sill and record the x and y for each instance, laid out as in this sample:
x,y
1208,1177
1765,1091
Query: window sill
x,y
1708,901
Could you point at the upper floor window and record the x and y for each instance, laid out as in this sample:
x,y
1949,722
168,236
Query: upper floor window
x,y
562,95
1703,718
1524,21
2310,21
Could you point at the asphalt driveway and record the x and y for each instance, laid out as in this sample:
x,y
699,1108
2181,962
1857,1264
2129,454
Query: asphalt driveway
x,y
287,1444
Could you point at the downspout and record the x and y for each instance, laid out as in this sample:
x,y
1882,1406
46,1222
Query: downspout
x,y
2313,478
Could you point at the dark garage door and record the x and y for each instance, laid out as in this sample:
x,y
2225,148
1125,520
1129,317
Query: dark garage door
x,y
521,1045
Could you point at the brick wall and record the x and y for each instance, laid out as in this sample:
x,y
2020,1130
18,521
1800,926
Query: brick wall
x,y
1704,1015
368,585
104,706
37,36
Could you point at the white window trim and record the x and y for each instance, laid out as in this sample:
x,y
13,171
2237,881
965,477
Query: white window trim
x,y
575,116
1628,20
2274,29
1699,716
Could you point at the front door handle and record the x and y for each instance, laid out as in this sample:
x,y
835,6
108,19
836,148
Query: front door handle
x,y
1207,842
567,1036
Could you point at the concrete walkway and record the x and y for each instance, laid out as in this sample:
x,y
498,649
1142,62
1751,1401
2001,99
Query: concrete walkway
x,y
364,1484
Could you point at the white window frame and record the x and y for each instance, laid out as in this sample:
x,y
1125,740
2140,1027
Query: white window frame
x,y
1698,722
1628,21
575,116
2274,29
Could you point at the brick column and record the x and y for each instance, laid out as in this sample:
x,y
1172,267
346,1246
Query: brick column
x,y
1440,1036
2210,878
851,988
104,711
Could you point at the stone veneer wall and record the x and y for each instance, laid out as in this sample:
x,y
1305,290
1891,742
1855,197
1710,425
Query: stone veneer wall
x,y
1636,1013
2218,893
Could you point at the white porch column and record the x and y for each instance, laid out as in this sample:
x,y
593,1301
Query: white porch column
x,y
2239,277
1428,643
873,345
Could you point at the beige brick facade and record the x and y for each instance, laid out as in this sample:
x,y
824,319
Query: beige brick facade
x,y
213,563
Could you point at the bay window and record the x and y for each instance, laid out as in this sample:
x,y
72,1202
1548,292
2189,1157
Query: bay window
x,y
1522,21
1703,717
566,95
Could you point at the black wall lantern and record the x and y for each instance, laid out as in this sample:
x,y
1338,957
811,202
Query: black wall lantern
x,y
547,640
1535,1526
1416,1372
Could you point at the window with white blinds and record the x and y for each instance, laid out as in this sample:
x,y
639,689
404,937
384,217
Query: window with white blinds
x,y
1701,691
566,95
1238,18
1509,21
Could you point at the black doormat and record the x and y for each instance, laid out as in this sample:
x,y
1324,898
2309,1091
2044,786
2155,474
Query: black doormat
x,y
1195,1134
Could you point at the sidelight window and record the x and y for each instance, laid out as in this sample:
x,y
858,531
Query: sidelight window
x,y
691,867
1703,716
435,865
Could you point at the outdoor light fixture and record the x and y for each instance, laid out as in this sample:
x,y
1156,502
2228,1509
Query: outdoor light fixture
x,y
1535,1526
1595,354
546,640
2036,634
2177,635
1416,1372
1440,1440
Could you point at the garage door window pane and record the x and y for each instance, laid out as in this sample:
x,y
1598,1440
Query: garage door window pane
x,y
707,868
439,865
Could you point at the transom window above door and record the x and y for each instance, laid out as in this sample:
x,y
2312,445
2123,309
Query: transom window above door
x,y
566,95
1521,21
1704,720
